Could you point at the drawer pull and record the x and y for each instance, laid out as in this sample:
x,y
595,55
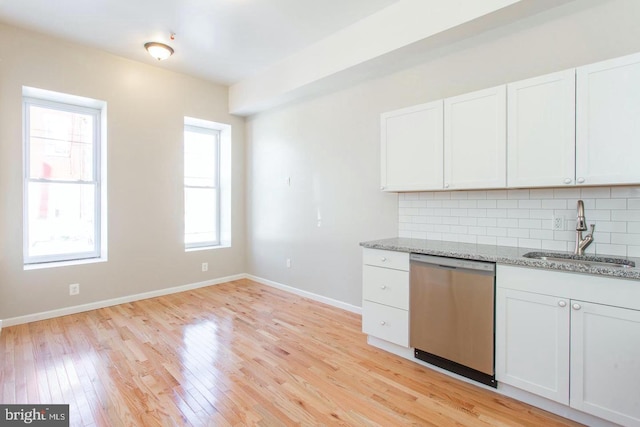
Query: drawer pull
x,y
562,303
383,323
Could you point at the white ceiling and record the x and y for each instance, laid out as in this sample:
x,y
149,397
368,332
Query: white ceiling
x,y
224,41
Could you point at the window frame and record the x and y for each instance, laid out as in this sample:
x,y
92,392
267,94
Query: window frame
x,y
97,114
218,231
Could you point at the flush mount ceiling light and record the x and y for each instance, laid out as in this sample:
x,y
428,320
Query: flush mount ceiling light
x,y
159,51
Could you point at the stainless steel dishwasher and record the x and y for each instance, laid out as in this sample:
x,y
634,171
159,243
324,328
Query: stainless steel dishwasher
x,y
452,315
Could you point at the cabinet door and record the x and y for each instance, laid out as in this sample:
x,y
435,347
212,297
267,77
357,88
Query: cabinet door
x,y
475,139
607,125
541,131
411,148
605,361
532,343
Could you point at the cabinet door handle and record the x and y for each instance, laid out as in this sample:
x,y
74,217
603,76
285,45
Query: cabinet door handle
x,y
446,186
383,323
383,287
580,180
576,306
562,303
568,181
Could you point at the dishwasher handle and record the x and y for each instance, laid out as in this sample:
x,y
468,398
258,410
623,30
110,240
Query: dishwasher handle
x,y
454,263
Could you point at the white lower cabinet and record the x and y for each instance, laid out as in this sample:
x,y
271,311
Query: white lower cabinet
x,y
571,338
385,294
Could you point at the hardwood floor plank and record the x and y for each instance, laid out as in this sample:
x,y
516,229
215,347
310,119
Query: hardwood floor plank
x,y
235,354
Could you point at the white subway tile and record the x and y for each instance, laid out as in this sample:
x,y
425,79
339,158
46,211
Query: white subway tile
x,y
625,239
553,245
477,195
418,235
426,195
403,233
442,228
633,204
602,237
450,203
507,241
625,192
450,220
412,196
530,223
611,203
628,215
459,195
633,227
487,240
518,232
487,222
554,204
497,194
491,204
529,204
633,251
541,213
543,193
404,226
478,231
496,213
469,204
434,203
434,220
459,229
442,195
569,236
434,235
426,211
459,212
605,249
595,193
468,221
467,238
530,243
419,219
507,222
517,194
442,211
404,203
541,234
615,227
518,213
507,204
479,213
404,218
598,214
566,193
496,231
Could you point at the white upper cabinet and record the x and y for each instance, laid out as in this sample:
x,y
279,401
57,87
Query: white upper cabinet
x,y
541,131
475,140
411,149
608,122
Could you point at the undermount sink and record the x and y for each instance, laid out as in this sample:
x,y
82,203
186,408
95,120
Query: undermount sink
x,y
588,260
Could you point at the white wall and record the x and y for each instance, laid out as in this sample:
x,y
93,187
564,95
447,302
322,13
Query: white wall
x,y
146,108
329,145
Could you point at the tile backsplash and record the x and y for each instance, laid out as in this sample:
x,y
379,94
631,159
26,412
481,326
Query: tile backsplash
x,y
523,218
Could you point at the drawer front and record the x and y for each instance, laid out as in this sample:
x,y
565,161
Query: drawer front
x,y
388,259
387,323
386,286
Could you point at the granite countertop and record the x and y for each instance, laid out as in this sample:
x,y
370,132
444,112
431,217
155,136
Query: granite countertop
x,y
499,254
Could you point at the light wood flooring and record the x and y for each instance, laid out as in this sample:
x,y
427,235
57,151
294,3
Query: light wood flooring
x,y
235,354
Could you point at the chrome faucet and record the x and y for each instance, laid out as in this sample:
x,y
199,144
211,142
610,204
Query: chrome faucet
x,y
581,225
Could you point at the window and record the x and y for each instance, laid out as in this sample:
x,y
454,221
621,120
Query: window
x,y
62,179
201,187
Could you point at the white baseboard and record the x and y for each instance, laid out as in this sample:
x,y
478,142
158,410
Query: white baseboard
x,y
115,301
306,294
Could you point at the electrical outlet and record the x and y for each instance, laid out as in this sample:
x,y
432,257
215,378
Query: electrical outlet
x,y
74,289
205,266
288,262
557,223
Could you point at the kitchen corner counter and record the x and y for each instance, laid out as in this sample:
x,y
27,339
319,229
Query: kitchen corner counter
x,y
498,254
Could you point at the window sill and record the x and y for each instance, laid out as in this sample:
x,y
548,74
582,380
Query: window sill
x,y
40,266
207,248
